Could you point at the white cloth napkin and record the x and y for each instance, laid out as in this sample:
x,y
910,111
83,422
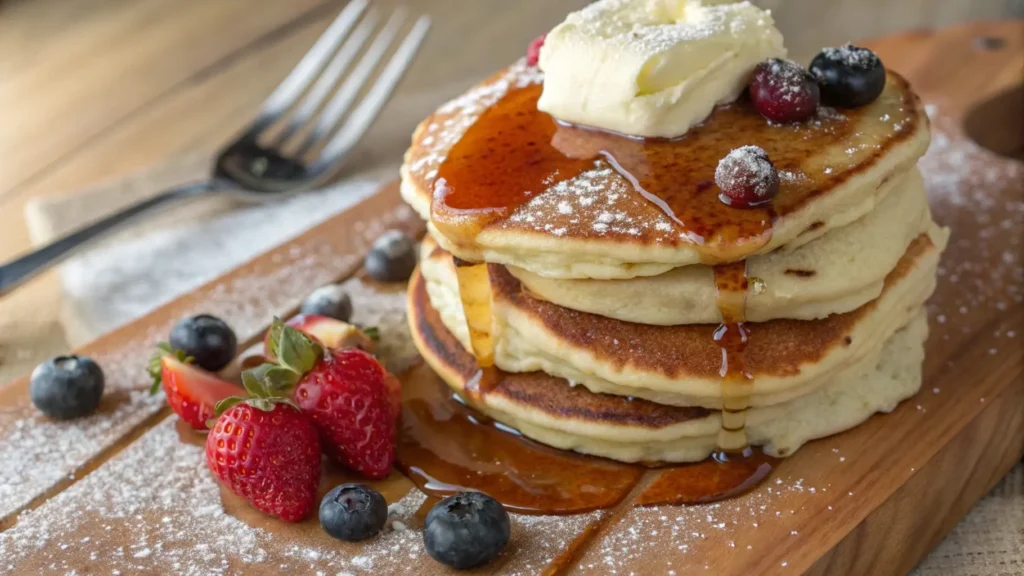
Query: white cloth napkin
x,y
138,271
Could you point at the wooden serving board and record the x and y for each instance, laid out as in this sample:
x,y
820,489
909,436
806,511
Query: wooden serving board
x,y
126,490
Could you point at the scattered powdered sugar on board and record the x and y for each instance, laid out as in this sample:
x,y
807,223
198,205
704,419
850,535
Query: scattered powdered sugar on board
x,y
971,188
155,507
684,537
42,452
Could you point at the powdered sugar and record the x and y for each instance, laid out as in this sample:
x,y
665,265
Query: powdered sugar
x,y
596,203
852,56
747,172
156,508
42,453
787,81
606,20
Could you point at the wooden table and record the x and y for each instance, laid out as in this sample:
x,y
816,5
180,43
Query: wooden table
x,y
104,88
97,89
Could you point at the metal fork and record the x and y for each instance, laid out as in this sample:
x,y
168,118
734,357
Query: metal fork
x,y
297,140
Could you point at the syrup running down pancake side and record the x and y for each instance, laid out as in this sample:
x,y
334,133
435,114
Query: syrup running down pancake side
x,y
514,152
445,445
732,335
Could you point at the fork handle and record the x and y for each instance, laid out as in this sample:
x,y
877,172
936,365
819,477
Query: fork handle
x,y
27,266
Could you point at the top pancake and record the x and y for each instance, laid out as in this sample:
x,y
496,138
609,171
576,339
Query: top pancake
x,y
597,224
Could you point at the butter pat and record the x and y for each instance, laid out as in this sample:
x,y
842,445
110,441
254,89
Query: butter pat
x,y
653,67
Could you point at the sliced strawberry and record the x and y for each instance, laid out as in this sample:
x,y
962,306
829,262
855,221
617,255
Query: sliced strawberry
x,y
191,391
333,334
533,50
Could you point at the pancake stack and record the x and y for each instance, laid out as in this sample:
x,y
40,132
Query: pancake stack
x,y
589,289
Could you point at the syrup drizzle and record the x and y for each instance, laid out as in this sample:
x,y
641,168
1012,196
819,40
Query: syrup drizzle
x,y
732,336
514,152
475,296
444,447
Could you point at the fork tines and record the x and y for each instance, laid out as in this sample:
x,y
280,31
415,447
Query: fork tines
x,y
326,103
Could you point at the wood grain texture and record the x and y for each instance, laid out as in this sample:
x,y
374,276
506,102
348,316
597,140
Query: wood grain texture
x,y
883,494
272,284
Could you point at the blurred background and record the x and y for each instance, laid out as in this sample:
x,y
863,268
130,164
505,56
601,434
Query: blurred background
x,y
126,96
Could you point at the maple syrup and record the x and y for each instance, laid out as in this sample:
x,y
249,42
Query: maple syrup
x,y
513,152
475,297
722,476
444,447
475,294
732,336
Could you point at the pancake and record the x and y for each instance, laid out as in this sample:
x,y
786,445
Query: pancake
x,y
834,170
680,365
837,273
550,410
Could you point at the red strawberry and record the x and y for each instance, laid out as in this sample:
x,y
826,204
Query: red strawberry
x,y
192,393
268,453
533,50
348,398
345,393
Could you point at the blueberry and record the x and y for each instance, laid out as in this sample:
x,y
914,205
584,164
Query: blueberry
x,y
782,91
330,300
67,387
353,512
849,76
392,258
746,177
207,339
466,530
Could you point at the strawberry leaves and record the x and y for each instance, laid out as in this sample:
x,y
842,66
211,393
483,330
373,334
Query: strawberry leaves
x,y
272,383
155,368
293,350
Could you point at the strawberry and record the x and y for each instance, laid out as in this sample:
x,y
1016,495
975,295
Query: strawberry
x,y
192,393
331,333
345,393
266,451
533,50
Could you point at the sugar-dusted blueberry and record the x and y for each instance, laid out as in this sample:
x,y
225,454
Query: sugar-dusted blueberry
x,y
466,530
331,300
746,177
783,91
849,76
206,338
67,387
353,512
392,257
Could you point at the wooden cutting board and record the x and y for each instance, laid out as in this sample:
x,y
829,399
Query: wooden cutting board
x,y
127,489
